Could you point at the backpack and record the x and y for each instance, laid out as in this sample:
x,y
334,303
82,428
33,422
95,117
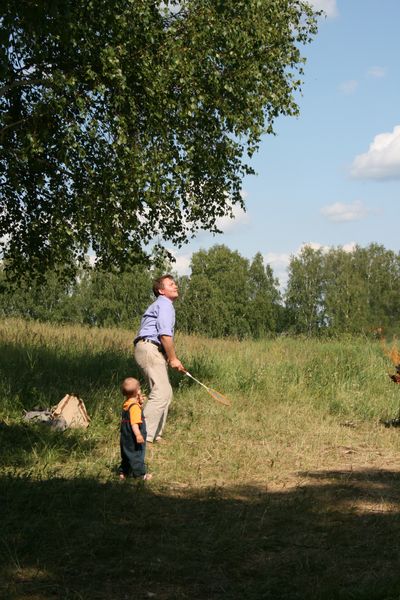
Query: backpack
x,y
70,412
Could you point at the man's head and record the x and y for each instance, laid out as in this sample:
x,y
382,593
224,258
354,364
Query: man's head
x,y
166,286
130,387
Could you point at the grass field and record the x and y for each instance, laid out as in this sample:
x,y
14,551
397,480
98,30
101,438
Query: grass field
x,y
293,492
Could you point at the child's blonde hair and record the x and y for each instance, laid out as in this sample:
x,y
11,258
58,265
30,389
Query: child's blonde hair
x,y
130,387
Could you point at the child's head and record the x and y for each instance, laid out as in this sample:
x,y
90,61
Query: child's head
x,y
130,388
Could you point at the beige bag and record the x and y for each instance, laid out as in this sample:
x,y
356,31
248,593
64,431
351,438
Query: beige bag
x,y
72,410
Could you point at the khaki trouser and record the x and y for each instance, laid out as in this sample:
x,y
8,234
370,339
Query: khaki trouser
x,y
155,368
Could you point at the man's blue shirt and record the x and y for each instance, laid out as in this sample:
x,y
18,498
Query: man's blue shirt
x,y
158,319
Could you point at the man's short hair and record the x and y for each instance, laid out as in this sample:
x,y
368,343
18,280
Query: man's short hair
x,y
158,283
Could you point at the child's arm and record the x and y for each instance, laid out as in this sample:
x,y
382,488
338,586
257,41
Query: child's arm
x,y
136,418
138,435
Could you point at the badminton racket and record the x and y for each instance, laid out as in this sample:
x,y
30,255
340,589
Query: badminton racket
x,y
216,395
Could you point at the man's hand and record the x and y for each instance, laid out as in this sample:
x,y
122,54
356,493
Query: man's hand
x,y
175,363
169,348
140,439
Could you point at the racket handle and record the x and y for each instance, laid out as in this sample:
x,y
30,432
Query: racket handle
x,y
196,380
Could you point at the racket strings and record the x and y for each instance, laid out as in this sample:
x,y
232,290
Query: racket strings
x,y
219,397
213,393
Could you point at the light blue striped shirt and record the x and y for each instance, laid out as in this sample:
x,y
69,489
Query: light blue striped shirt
x,y
158,319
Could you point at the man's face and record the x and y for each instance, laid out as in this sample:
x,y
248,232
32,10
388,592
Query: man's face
x,y
169,289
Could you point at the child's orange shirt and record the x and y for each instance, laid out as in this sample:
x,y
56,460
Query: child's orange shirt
x,y
135,411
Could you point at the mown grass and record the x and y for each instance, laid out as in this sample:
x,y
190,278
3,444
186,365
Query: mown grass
x,y
292,492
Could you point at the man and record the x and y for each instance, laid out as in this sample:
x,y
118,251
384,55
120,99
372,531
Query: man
x,y
154,351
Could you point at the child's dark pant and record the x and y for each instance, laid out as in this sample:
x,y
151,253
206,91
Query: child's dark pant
x,y
132,453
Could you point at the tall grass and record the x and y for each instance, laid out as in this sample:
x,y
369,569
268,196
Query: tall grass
x,y
300,450
286,394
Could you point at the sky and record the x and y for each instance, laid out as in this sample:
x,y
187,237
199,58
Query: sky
x,y
331,176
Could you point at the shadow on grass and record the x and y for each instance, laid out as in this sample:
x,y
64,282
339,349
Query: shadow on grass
x,y
40,376
22,443
336,537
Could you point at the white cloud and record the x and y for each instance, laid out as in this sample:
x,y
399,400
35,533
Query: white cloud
x,y
382,161
239,218
277,260
5,240
279,263
182,262
341,213
313,246
348,87
328,6
377,72
169,8
350,247
92,259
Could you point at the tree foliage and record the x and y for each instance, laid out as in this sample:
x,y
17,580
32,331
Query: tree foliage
x,y
264,306
336,291
329,292
109,299
95,298
125,120
226,295
345,293
304,294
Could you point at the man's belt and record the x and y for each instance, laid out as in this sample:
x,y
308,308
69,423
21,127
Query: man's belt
x,y
144,339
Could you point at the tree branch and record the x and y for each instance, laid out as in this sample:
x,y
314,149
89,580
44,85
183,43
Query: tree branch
x,y
22,83
11,125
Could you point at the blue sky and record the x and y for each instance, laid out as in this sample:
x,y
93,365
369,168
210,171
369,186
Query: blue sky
x,y
331,176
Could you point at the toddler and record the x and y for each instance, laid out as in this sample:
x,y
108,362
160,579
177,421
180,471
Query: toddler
x,y
132,432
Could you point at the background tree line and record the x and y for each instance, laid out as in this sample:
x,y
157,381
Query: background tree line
x,y
339,291
328,292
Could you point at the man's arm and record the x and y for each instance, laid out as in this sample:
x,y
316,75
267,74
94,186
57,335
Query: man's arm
x,y
173,360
